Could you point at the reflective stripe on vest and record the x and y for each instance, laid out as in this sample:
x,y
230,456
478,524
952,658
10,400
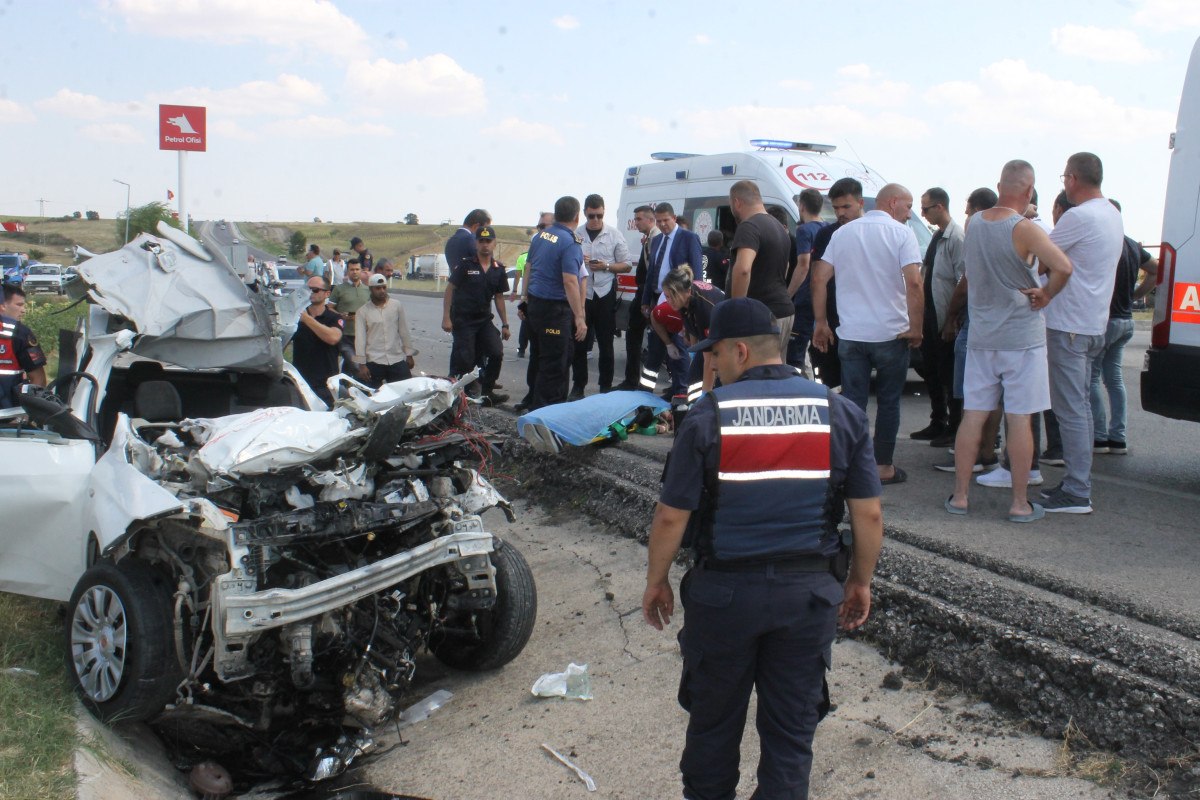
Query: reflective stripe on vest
x,y
773,470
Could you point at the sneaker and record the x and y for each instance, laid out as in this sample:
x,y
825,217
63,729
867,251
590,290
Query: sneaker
x,y
1117,448
1100,446
978,466
1052,457
930,431
1053,490
945,440
1000,478
1062,503
626,386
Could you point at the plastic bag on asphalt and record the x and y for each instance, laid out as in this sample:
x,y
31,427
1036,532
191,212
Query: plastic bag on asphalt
x,y
574,683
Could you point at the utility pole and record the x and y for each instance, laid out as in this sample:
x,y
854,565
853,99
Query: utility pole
x,y
126,185
42,207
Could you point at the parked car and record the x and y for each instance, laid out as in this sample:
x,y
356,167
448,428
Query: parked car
x,y
45,278
291,280
241,565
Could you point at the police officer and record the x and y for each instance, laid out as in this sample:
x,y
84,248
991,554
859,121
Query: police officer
x,y
555,303
757,479
21,357
475,285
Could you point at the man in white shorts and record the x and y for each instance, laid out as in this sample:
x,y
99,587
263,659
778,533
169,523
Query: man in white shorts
x,y
1006,352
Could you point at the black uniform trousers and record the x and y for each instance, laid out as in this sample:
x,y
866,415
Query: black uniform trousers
x,y
476,341
937,369
551,346
602,326
635,338
769,630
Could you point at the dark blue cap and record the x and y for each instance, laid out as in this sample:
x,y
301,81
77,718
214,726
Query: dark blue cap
x,y
738,318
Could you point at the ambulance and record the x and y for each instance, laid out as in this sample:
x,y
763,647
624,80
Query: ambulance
x,y
1171,376
697,187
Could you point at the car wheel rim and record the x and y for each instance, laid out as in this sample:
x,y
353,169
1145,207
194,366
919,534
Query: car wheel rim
x,y
98,634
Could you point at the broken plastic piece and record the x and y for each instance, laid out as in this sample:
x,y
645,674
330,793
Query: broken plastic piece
x,y
32,673
573,683
583,776
420,711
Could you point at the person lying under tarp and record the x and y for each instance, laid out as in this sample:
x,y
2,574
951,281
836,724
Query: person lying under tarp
x,y
594,419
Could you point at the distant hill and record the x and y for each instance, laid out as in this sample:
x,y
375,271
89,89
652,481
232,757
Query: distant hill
x,y
385,240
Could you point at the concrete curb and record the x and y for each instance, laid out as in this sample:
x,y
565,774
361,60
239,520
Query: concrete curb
x,y
1052,652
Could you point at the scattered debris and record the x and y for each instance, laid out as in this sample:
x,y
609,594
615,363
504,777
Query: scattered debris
x,y
583,776
893,680
210,780
420,711
574,683
28,673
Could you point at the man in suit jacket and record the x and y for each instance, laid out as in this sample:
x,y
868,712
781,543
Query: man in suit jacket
x,y
675,246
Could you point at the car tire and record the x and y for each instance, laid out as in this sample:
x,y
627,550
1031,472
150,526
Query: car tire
x,y
119,641
505,628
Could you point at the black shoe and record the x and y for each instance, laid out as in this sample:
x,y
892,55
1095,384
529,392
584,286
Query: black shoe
x,y
1052,457
605,389
945,440
1117,448
576,393
625,386
930,431
1100,446
520,354
496,386
493,398
524,405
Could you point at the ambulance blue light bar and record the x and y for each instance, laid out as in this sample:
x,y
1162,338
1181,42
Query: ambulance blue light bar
x,y
784,144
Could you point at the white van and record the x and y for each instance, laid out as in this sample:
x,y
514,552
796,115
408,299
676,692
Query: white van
x,y
1171,376
697,187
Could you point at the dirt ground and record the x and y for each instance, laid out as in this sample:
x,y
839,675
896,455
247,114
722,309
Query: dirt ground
x,y
885,743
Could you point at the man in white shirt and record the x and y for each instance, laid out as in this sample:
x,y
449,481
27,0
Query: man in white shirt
x,y
382,347
1091,234
606,255
877,263
337,268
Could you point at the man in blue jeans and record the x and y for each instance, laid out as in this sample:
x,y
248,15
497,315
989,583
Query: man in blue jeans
x,y
1107,376
877,263
1092,236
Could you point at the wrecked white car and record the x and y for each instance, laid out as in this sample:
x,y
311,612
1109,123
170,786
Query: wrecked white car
x,y
244,568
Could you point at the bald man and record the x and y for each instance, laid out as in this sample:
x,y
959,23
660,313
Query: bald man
x,y
877,263
1006,350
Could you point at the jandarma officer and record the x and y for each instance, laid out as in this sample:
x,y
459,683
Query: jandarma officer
x,y
757,478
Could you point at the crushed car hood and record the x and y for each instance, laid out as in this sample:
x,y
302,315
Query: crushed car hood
x,y
188,305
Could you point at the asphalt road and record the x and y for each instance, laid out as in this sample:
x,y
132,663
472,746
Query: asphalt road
x,y
211,231
1141,546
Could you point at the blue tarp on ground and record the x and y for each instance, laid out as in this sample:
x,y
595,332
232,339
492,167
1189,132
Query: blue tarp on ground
x,y
581,421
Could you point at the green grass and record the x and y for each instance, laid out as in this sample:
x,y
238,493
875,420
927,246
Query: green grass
x,y
37,723
391,240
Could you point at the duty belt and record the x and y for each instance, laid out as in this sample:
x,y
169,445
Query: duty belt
x,y
788,564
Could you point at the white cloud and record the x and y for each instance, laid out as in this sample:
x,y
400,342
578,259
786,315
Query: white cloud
x,y
318,127
1102,44
819,123
883,93
88,106
223,128
702,38
285,96
1168,15
291,23
12,111
432,86
649,124
519,130
566,22
859,72
1011,98
116,132
796,84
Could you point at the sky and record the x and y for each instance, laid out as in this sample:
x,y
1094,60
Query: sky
x,y
372,109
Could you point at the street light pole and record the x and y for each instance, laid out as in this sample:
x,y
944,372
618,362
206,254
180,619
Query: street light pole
x,y
126,185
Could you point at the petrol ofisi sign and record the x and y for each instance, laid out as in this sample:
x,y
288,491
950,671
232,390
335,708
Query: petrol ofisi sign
x,y
182,128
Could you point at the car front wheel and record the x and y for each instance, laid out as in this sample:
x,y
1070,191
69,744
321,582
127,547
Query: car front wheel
x,y
119,641
502,631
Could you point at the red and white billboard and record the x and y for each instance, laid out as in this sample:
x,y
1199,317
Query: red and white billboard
x,y
182,128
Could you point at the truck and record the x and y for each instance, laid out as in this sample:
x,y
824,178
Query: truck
x,y
697,187
46,278
1171,373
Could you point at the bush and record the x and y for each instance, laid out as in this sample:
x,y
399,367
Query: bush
x,y
144,219
46,315
297,244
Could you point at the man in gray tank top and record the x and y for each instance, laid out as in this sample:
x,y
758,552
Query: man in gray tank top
x,y
1006,355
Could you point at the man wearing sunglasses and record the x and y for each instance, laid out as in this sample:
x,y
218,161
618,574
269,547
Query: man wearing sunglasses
x,y
606,255
315,345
